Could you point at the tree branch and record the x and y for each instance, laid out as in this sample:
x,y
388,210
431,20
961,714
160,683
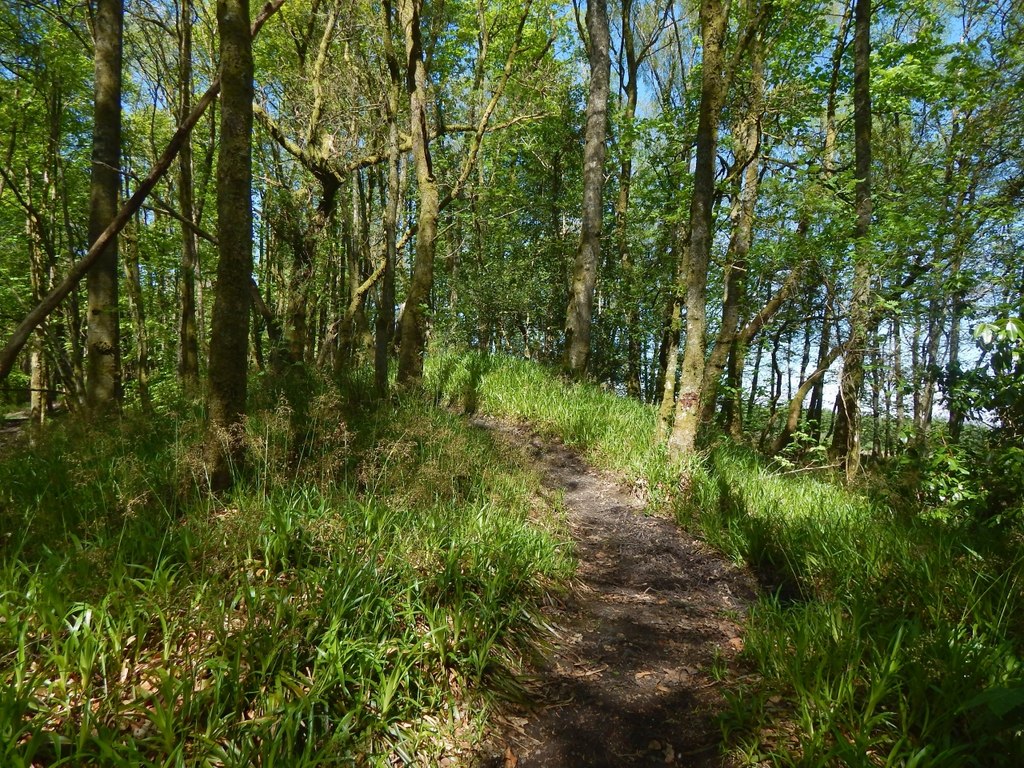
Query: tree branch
x,y
78,270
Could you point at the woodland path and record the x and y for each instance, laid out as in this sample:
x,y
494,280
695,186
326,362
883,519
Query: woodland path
x,y
629,677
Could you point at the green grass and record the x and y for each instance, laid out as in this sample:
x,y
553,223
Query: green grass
x,y
375,576
612,432
369,586
895,639
886,637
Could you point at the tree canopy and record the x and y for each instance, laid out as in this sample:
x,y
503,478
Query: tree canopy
x,y
418,183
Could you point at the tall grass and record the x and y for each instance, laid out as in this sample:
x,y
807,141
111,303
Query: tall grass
x,y
885,637
895,639
612,432
357,614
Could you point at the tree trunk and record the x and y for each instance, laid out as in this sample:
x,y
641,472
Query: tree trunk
x,y
796,402
846,437
354,325
230,325
876,402
135,303
816,406
739,248
304,245
669,358
925,395
817,403
588,255
300,332
887,395
103,343
957,304
552,332
188,331
39,273
78,270
956,411
668,354
805,355
628,287
732,410
755,379
776,391
714,23
414,316
385,326
897,373
916,373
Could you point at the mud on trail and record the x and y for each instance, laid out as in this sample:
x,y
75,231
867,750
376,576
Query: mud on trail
x,y
629,678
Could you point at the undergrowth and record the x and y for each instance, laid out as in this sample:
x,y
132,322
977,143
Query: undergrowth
x,y
612,432
368,586
886,637
893,638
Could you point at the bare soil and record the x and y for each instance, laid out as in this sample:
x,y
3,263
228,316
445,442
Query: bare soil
x,y
640,645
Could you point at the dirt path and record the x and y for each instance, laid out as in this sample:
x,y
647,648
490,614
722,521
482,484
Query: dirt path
x,y
630,679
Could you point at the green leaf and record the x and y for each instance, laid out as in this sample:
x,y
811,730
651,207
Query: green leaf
x,y
1000,701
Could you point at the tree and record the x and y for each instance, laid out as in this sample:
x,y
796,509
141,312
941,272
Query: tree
x,y
188,330
78,270
103,343
229,337
588,255
846,437
414,317
385,325
714,19
637,45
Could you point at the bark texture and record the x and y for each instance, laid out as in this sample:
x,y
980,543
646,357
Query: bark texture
x,y
188,332
730,336
714,24
588,255
103,341
414,316
630,313
385,324
229,335
846,438
78,270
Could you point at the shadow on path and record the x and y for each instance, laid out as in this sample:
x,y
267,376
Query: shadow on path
x,y
629,677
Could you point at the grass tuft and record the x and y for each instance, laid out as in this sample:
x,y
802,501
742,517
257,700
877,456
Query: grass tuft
x,y
353,615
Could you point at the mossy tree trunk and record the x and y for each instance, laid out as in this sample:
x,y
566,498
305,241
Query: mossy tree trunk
x,y
846,437
714,24
188,329
230,325
414,316
385,324
103,342
747,136
584,273
626,262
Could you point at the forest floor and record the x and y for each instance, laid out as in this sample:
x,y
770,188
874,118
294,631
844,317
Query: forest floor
x,y
641,644
11,424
